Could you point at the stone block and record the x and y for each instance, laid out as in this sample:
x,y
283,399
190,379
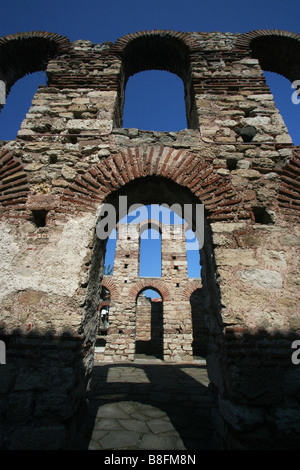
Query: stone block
x,y
235,257
264,278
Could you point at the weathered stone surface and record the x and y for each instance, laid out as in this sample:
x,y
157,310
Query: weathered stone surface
x,y
68,173
235,257
46,270
239,299
262,278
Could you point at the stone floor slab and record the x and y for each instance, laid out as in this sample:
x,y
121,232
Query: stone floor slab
x,y
148,407
134,425
119,440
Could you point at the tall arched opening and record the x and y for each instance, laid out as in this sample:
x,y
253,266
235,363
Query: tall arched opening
x,y
161,175
176,324
154,100
25,56
164,51
149,324
278,54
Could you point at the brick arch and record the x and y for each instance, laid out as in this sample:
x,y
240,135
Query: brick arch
x,y
276,50
14,188
105,303
126,40
150,283
182,167
150,224
154,51
109,284
28,52
191,288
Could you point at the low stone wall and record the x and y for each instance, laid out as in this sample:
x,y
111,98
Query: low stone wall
x,y
42,388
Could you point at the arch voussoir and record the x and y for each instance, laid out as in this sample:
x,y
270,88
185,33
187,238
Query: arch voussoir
x,y
191,287
109,284
150,283
178,165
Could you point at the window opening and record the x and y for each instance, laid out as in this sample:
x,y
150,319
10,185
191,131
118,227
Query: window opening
x,y
154,100
40,217
18,103
103,320
110,254
149,324
192,255
150,260
150,253
286,102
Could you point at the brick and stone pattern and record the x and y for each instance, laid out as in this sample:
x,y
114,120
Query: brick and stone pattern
x,y
71,155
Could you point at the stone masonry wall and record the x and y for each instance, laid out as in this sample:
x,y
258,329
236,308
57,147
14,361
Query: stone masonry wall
x,y
71,155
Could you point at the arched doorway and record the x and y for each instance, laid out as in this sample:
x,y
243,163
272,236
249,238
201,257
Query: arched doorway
x,y
161,51
149,324
200,333
146,184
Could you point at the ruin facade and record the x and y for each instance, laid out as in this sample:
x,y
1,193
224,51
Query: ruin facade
x,y
71,155
170,326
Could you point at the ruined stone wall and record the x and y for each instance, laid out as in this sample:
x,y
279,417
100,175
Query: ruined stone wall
x,y
71,155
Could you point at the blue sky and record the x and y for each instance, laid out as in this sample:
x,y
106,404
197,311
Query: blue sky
x,y
100,21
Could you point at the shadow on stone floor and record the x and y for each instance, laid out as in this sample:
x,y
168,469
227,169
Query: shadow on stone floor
x,y
148,406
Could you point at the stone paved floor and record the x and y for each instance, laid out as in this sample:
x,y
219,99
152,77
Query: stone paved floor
x,y
148,406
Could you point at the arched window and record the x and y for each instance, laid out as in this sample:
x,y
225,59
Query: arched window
x,y
278,55
18,103
287,102
192,255
149,323
150,257
22,54
150,253
110,253
161,51
200,332
154,100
